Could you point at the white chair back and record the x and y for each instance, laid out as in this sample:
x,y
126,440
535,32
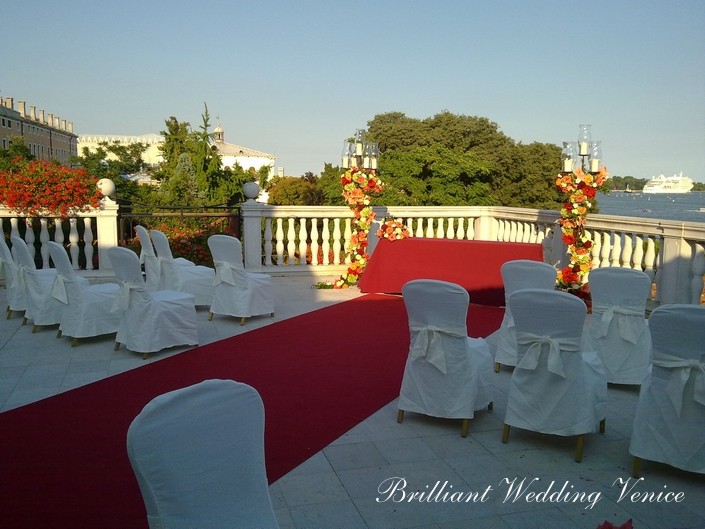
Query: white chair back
x,y
145,242
617,286
225,248
198,455
126,265
524,273
161,245
8,266
152,266
61,260
677,331
24,258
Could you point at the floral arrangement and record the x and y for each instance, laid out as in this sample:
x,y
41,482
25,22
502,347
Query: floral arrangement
x,y
44,188
393,230
579,190
358,186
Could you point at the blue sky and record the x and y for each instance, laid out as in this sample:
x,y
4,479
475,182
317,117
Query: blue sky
x,y
296,78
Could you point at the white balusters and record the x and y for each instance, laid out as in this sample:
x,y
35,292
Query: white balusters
x,y
44,239
326,242
440,232
280,241
314,241
88,243
268,241
348,237
429,228
291,242
650,258
302,242
626,255
638,254
29,236
73,239
336,241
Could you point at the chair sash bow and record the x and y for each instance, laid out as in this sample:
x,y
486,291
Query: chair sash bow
x,y
630,321
122,300
682,369
226,272
427,344
530,360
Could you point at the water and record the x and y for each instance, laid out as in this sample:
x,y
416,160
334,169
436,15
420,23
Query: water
x,y
686,207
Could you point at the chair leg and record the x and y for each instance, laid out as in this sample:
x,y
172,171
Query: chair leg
x,y
465,428
24,320
58,333
117,346
496,367
636,469
9,313
74,342
579,448
602,426
210,316
490,407
243,320
35,328
145,356
400,416
505,434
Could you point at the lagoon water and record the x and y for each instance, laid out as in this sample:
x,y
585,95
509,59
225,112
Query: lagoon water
x,y
686,207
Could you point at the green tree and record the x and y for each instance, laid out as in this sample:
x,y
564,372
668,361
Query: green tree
x,y
295,191
453,159
17,148
181,188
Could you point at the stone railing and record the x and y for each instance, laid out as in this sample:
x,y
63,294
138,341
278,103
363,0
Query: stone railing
x,y
87,235
285,240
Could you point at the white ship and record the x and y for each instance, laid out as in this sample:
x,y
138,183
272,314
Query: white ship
x,y
668,184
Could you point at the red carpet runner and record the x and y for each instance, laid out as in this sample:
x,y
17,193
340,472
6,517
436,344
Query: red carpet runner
x,y
63,462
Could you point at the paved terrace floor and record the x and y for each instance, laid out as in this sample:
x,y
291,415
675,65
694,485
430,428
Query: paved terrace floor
x,y
338,487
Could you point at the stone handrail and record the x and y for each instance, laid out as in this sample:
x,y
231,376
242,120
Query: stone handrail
x,y
284,240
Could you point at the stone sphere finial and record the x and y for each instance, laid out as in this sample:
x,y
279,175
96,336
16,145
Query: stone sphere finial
x,y
251,190
106,186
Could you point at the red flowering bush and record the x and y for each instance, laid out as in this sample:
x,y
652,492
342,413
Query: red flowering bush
x,y
44,188
188,241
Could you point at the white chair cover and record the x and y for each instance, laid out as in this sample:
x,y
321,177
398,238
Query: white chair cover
x,y
617,328
516,275
16,297
198,455
88,308
237,292
42,308
149,321
148,257
555,388
669,425
447,373
195,280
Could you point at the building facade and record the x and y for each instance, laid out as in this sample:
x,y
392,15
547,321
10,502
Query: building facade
x,y
230,153
47,136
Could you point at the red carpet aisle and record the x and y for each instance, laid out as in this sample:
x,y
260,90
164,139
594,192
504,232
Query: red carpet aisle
x,y
63,462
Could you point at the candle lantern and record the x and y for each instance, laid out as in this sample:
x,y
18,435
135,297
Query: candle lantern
x,y
359,153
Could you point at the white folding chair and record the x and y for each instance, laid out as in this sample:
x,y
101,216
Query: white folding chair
x,y
516,275
617,327
556,388
42,308
16,297
448,374
669,424
88,308
148,257
237,293
198,455
149,320
195,280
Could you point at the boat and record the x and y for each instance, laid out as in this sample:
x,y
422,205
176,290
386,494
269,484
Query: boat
x,y
668,184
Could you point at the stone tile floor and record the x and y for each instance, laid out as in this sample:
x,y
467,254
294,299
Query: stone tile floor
x,y
366,478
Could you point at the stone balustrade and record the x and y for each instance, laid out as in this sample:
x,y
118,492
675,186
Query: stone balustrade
x,y
289,240
284,240
82,234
